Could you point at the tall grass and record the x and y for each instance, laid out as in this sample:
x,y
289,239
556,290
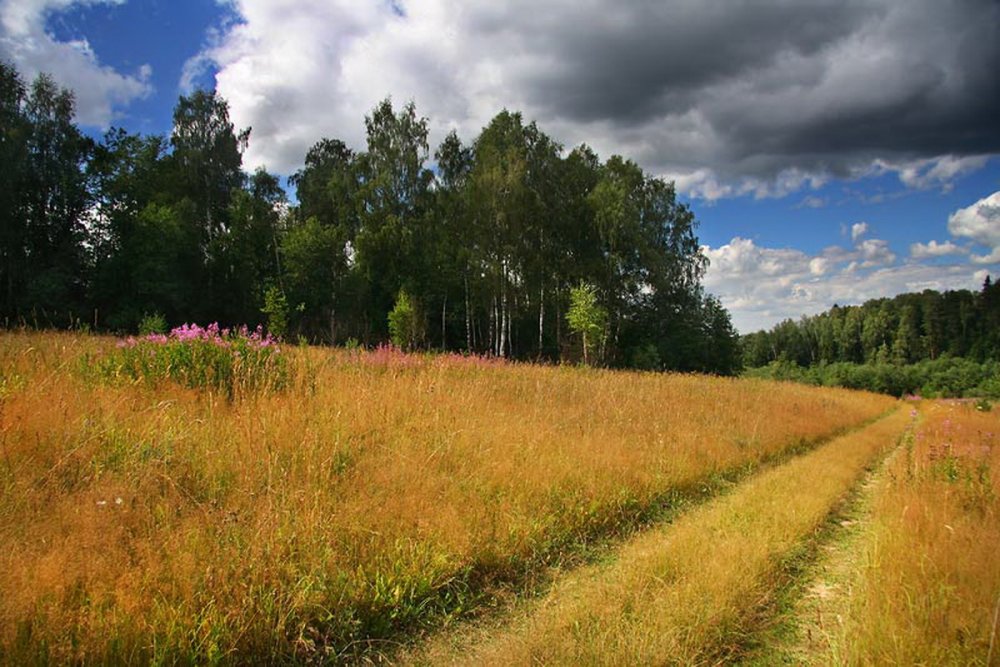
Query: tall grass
x,y
929,592
228,360
377,493
686,593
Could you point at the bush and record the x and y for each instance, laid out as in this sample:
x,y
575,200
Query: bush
x,y
233,361
646,358
405,325
152,324
276,310
587,318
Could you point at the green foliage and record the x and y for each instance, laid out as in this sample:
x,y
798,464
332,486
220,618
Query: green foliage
x,y
232,362
948,377
207,158
903,330
153,323
44,199
405,326
392,198
327,185
931,343
490,245
276,310
646,358
587,318
314,266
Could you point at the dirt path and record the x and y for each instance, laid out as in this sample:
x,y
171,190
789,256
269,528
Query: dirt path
x,y
807,620
690,592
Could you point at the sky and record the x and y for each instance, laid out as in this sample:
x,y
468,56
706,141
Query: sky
x,y
833,151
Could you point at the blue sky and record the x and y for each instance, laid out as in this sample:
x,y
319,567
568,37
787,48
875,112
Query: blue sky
x,y
832,152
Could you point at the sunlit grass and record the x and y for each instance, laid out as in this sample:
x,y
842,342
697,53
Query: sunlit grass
x,y
685,593
378,492
929,591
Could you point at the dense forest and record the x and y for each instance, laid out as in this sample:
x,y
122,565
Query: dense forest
x,y
929,342
482,244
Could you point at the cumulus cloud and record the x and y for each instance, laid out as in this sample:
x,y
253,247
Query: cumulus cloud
x,y
762,286
992,257
758,99
979,222
935,249
938,172
858,229
99,89
819,265
875,252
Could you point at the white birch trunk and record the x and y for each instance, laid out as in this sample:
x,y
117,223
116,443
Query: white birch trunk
x,y
502,347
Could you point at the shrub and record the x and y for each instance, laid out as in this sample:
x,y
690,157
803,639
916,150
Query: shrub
x,y
587,317
276,310
646,358
152,324
405,328
233,361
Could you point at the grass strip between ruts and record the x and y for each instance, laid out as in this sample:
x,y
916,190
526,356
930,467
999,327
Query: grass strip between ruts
x,y
685,593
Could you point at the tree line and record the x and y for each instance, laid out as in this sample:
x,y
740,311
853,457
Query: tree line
x,y
483,243
905,329
931,343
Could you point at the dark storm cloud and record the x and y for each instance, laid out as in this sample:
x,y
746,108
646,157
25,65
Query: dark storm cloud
x,y
772,85
727,96
639,61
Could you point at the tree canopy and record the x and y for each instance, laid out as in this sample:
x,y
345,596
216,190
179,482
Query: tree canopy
x,y
487,239
905,329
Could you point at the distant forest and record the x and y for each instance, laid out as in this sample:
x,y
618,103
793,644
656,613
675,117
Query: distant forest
x,y
929,342
484,250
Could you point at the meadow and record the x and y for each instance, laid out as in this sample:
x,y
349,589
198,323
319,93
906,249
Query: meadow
x,y
690,592
376,493
221,497
927,589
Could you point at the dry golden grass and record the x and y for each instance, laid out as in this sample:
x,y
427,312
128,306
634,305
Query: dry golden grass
x,y
929,591
684,593
142,523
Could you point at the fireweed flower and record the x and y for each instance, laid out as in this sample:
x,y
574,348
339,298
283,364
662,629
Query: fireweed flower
x,y
233,360
213,333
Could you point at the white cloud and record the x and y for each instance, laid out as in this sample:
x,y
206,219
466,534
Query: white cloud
x,y
99,89
875,252
858,229
991,258
727,100
762,286
702,184
937,172
935,249
979,222
706,184
297,71
812,202
819,265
